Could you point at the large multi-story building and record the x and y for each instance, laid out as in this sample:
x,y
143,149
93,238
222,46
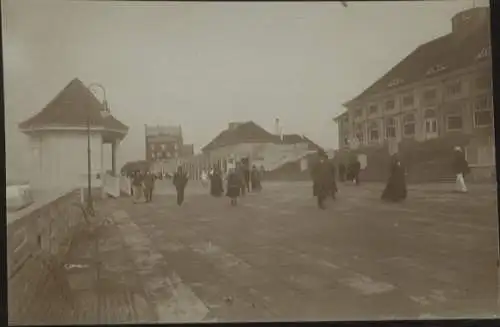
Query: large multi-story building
x,y
443,89
163,142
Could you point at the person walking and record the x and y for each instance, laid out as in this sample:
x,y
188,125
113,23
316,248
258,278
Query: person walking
x,y
255,179
334,189
460,169
137,181
216,185
149,184
354,168
322,178
395,189
239,171
204,178
180,181
234,186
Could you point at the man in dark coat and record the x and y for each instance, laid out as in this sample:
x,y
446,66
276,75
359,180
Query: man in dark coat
x,y
460,169
180,181
216,187
334,188
240,172
234,185
354,169
255,179
322,178
149,185
137,187
395,189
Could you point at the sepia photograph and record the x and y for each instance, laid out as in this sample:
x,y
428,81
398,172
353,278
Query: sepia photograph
x,y
188,162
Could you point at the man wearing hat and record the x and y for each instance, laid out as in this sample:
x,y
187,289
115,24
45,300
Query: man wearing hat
x,y
322,178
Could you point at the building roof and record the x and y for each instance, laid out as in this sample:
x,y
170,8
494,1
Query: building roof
x,y
242,133
336,118
250,132
72,107
447,53
163,130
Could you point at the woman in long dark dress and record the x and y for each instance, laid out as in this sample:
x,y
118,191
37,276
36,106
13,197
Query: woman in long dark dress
x,y
216,188
395,190
255,179
234,186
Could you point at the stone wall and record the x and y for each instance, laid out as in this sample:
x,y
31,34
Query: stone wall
x,y
37,238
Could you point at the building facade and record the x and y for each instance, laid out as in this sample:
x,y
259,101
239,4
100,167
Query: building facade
x,y
247,140
163,142
441,90
59,137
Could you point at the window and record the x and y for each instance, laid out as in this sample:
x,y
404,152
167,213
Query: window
x,y
163,147
390,104
373,109
484,53
430,94
408,100
409,125
483,113
482,103
395,82
346,140
373,132
390,128
431,126
454,123
454,88
431,123
152,147
358,113
435,69
483,83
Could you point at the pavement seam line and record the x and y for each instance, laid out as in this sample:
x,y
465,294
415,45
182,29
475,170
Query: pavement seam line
x,y
174,301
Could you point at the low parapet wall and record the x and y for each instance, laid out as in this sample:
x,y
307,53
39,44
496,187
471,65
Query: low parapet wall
x,y
37,239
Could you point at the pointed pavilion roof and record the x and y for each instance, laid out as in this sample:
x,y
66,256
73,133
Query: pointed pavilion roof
x,y
71,108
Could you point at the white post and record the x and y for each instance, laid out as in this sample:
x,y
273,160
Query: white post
x,y
103,171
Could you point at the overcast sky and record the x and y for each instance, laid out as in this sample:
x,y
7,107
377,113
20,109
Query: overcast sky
x,y
202,65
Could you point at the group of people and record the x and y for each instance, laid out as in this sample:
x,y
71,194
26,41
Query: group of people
x,y
351,172
240,180
143,184
323,174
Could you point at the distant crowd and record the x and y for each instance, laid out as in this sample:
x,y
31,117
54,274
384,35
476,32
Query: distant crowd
x,y
243,179
239,180
323,174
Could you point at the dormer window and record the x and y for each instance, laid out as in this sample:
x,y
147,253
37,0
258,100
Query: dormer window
x,y
435,69
395,82
465,17
373,109
484,53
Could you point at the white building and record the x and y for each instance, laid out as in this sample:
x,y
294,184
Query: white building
x,y
58,137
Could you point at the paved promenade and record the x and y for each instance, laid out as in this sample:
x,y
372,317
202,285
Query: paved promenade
x,y
277,257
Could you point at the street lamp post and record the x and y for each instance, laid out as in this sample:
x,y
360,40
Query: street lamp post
x,y
90,205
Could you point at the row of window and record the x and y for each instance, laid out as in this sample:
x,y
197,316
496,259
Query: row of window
x,y
162,147
454,122
452,89
163,155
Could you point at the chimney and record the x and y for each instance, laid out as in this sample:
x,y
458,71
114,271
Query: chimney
x,y
277,129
